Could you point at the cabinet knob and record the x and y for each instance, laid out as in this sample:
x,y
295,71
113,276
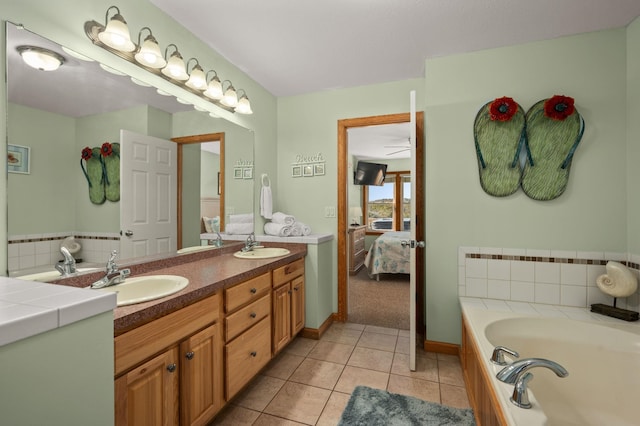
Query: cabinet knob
x,y
295,288
254,354
252,315
189,355
289,291
253,290
171,368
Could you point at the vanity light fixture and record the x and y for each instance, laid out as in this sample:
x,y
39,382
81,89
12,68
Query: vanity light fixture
x,y
214,87
230,97
197,79
244,106
148,53
175,69
114,37
40,58
115,33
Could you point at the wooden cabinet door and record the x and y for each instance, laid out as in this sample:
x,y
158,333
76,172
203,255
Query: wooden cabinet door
x,y
297,305
201,376
148,394
281,317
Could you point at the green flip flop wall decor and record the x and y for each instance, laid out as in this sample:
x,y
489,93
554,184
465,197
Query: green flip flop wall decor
x,y
498,131
93,172
111,159
101,168
554,130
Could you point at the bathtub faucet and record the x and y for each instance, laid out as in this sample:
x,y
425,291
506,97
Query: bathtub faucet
x,y
518,375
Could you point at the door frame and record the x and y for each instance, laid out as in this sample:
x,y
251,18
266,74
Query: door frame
x,y
418,180
184,140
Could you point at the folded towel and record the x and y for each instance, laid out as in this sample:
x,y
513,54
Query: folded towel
x,y
238,228
241,218
619,281
301,229
279,217
278,229
266,199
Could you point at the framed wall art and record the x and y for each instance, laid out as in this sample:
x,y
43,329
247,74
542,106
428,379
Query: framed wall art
x,y
18,159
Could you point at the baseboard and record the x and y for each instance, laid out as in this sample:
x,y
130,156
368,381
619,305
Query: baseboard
x,y
442,348
316,333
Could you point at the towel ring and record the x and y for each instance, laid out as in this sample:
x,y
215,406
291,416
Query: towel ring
x,y
265,180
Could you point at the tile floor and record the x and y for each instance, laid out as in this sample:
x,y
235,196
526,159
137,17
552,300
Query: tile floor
x,y
310,381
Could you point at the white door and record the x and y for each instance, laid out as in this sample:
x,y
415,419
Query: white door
x,y
413,244
148,195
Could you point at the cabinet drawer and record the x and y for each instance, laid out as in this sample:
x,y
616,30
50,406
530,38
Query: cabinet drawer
x,y
246,292
358,245
288,272
246,355
135,346
246,317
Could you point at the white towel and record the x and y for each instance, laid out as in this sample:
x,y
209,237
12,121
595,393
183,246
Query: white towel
x,y
266,202
301,229
241,218
278,229
238,228
279,217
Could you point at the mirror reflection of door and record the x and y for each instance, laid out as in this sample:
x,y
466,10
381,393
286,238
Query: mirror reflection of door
x,y
209,179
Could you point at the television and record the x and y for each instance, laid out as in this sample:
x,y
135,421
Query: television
x,y
369,173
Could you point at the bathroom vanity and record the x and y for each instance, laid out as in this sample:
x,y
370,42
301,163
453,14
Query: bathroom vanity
x,y
180,359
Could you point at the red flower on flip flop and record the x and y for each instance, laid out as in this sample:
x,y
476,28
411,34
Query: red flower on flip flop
x,y
559,107
106,149
87,153
503,109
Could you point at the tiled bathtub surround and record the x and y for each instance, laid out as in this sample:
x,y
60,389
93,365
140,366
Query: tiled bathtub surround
x,y
33,251
553,277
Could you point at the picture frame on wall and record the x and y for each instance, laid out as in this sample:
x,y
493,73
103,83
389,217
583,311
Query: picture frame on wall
x,y
296,171
318,169
247,173
307,170
237,172
18,159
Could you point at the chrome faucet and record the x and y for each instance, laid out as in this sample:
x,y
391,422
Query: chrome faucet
x,y
218,241
249,243
518,375
113,275
67,267
497,357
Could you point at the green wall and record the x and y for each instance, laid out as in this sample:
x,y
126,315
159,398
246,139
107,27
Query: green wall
x,y
633,136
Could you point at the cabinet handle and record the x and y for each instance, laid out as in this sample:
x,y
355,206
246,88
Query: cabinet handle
x,y
295,288
253,354
287,270
253,290
171,368
252,315
189,355
289,291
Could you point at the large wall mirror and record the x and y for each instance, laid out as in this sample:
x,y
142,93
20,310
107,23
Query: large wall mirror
x,y
53,115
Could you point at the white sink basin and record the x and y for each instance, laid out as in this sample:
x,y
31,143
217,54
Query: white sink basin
x,y
143,289
50,275
262,253
194,248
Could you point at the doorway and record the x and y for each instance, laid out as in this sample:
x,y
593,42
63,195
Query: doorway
x,y
198,139
343,223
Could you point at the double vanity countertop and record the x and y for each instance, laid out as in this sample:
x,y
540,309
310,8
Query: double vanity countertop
x,y
28,308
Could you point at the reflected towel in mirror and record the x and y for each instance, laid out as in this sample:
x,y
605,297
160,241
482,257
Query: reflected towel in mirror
x,y
241,218
238,228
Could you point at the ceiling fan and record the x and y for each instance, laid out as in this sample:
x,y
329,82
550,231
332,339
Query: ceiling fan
x,y
405,147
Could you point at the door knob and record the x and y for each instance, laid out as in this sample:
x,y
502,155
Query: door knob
x,y
128,233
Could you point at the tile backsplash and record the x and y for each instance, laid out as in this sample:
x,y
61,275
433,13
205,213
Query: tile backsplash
x,y
35,251
554,277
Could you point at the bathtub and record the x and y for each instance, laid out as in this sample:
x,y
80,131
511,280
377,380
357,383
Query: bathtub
x,y
602,356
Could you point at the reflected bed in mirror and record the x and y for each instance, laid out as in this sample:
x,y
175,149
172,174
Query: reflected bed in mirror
x,y
58,113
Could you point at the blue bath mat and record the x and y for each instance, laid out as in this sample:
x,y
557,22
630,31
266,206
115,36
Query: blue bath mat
x,y
373,407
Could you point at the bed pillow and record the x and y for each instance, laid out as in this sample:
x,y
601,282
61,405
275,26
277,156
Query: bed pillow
x,y
211,224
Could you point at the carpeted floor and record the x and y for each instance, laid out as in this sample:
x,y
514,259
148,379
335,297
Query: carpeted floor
x,y
375,407
383,303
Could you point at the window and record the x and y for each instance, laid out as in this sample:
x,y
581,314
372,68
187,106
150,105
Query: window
x,y
388,207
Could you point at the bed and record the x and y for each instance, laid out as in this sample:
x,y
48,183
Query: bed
x,y
387,255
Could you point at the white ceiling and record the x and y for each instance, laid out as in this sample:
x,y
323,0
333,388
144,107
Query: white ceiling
x,y
293,47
